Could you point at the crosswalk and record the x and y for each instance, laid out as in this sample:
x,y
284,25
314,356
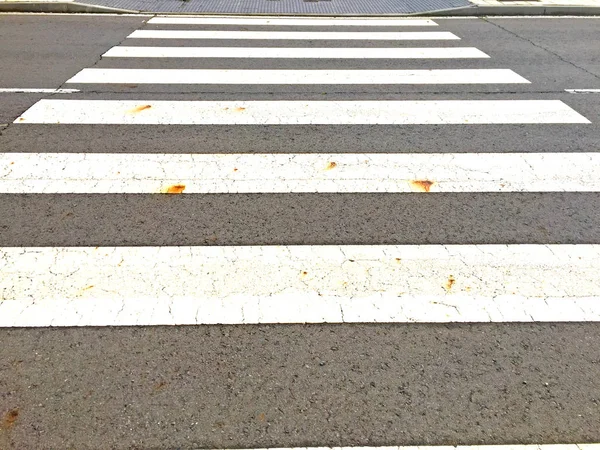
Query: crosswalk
x,y
370,283
87,284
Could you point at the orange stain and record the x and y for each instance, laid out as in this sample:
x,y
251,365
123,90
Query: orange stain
x,y
450,283
138,109
422,185
10,418
175,189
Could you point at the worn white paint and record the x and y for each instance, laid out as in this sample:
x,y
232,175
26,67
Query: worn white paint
x,y
95,173
297,35
36,90
225,76
297,52
149,112
583,91
292,21
462,447
71,286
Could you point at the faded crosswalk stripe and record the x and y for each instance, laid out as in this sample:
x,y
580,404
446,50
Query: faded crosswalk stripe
x,y
102,286
294,173
461,447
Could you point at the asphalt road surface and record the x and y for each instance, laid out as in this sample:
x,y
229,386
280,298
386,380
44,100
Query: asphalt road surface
x,y
299,256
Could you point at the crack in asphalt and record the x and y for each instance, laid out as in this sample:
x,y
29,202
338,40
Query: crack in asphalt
x,y
541,47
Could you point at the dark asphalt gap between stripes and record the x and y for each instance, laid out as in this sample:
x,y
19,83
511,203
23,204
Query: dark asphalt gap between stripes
x,y
295,385
301,138
33,220
297,64
316,64
322,90
291,43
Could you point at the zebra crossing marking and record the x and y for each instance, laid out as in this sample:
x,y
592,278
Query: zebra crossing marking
x,y
296,35
461,447
583,91
296,52
148,112
296,77
118,286
96,173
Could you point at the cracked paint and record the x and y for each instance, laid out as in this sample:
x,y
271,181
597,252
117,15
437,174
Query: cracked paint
x,y
298,284
463,447
287,173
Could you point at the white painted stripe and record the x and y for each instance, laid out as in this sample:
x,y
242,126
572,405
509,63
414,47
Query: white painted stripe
x,y
81,173
583,91
66,286
292,21
462,447
149,112
295,52
225,76
36,91
299,35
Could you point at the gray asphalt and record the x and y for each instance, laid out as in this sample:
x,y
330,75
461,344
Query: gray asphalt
x,y
43,51
257,386
299,219
315,385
